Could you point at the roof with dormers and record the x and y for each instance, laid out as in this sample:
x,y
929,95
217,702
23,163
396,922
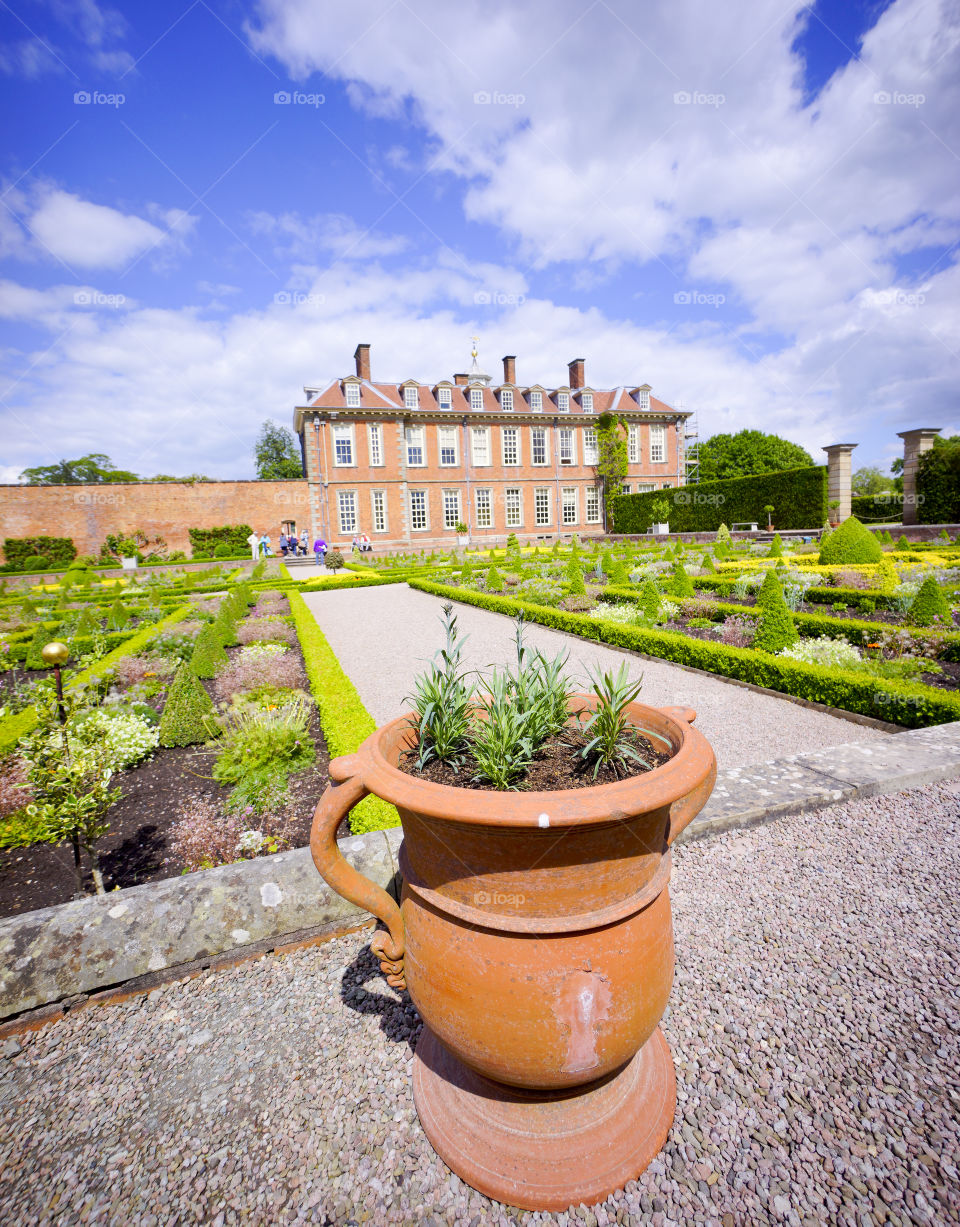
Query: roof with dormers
x,y
380,397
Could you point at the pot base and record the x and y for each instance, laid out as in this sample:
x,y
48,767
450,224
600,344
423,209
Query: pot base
x,y
545,1150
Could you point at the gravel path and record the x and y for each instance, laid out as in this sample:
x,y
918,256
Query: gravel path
x,y
814,1023
382,636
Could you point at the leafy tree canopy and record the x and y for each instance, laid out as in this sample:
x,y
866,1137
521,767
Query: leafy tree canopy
x,y
870,481
747,453
88,470
277,454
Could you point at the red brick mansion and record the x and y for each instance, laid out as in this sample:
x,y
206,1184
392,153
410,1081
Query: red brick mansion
x,y
407,462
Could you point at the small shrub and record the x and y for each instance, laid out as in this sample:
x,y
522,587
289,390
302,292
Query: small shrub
x,y
208,656
776,630
850,543
494,581
269,630
202,838
188,713
251,669
835,653
930,605
333,561
123,737
738,632
681,584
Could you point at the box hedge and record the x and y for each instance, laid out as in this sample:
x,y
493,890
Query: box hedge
x,y
938,483
897,702
344,719
799,497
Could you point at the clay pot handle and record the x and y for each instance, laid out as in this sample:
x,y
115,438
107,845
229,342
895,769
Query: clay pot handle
x,y
346,788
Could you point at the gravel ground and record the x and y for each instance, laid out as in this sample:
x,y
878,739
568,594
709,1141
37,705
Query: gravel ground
x,y
814,1024
382,637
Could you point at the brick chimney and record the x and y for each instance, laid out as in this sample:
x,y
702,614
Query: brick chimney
x,y
460,380
362,358
510,368
576,373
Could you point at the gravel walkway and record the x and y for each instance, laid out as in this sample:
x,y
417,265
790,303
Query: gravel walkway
x,y
814,1023
382,637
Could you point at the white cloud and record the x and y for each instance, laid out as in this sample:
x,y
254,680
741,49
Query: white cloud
x,y
683,138
306,238
87,235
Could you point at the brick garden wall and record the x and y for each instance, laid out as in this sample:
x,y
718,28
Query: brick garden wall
x,y
164,508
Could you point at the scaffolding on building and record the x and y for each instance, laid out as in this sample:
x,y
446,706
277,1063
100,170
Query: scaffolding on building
x,y
691,440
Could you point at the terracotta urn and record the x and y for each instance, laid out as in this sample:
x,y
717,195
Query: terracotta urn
x,y
535,939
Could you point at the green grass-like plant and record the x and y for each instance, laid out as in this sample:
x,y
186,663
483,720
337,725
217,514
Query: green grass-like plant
x,y
611,737
442,699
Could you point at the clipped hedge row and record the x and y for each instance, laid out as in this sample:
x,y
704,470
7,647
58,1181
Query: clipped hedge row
x,y
234,536
16,726
858,631
344,719
883,508
816,596
909,704
798,496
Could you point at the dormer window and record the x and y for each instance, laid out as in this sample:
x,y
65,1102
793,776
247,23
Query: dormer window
x,y
476,398
445,397
643,398
563,402
411,398
310,394
353,395
586,402
536,401
506,399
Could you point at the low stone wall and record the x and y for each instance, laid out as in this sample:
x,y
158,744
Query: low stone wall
x,y
106,940
62,953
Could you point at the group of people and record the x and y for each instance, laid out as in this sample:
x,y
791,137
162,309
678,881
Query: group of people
x,y
292,546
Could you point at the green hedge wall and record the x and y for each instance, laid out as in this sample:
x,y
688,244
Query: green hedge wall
x,y
885,508
798,496
897,702
938,484
344,719
60,551
206,540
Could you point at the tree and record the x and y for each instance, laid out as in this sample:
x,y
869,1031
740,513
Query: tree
x,y
88,470
747,453
611,463
276,453
870,480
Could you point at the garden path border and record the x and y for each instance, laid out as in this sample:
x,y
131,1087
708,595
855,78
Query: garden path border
x,y
61,958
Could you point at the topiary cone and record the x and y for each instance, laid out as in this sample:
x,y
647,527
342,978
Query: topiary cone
x,y
183,721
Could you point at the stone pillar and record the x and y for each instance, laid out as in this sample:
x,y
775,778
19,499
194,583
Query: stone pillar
x,y
839,470
915,443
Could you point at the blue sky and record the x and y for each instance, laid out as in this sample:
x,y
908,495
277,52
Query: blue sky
x,y
206,207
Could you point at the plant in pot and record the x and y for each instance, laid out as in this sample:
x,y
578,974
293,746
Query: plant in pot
x,y
127,551
768,512
462,533
534,932
660,514
834,506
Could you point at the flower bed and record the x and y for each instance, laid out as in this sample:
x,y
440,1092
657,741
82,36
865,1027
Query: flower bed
x,y
241,759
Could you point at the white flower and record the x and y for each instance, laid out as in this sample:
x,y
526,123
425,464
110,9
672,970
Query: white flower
x,y
835,653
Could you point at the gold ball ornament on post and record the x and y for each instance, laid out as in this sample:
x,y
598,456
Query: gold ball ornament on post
x,y
55,653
